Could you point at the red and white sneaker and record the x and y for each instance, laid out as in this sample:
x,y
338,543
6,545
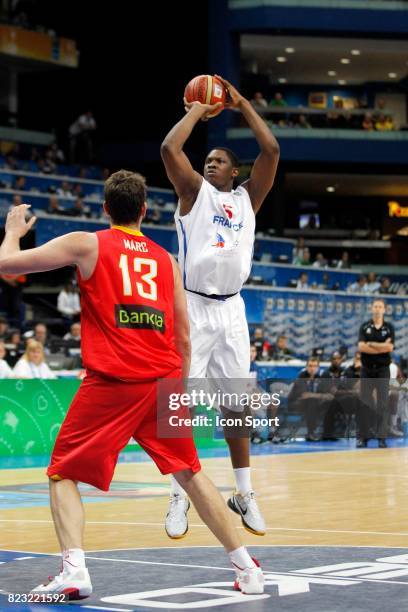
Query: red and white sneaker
x,y
75,585
250,580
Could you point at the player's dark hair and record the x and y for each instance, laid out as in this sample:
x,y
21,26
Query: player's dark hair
x,y
125,194
231,155
378,300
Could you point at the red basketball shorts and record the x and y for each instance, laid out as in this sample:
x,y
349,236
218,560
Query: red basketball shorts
x,y
102,418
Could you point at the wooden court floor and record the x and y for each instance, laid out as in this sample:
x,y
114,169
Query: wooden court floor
x,y
357,497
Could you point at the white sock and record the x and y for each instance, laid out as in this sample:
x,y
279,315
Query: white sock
x,y
73,558
241,559
176,488
243,480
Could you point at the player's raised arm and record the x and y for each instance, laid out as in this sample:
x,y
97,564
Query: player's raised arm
x,y
77,248
181,324
185,180
264,169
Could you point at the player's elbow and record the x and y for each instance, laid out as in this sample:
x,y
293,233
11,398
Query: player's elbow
x,y
272,148
167,149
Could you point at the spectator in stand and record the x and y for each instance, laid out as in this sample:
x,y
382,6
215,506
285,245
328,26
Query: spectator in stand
x,y
65,191
280,351
261,343
74,332
11,162
344,263
81,135
77,191
278,100
306,397
359,286
253,356
20,183
384,124
32,363
380,108
17,200
68,302
4,328
258,101
307,259
335,370
47,165
56,154
54,207
34,154
79,209
325,284
373,286
302,122
297,253
153,216
15,347
368,123
320,261
41,335
302,283
5,370
385,286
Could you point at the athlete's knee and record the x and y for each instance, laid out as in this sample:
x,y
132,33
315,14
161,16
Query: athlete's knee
x,y
185,477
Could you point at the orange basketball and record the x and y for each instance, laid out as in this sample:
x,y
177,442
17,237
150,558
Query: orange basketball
x,y
206,89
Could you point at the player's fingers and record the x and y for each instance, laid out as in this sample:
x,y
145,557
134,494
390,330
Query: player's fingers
x,y
31,222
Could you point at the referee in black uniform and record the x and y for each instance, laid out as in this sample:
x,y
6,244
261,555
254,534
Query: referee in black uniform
x,y
376,342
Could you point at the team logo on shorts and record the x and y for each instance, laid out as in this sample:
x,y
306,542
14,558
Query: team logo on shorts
x,y
134,316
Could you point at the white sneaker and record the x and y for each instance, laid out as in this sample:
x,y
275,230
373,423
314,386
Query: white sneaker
x,y
75,585
247,508
250,581
176,519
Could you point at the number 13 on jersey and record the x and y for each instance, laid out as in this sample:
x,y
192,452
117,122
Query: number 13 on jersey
x,y
147,286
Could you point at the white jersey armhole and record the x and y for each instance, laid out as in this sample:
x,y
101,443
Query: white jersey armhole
x,y
196,201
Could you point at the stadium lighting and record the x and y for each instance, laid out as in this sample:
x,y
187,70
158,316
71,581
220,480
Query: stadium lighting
x,y
281,59
332,73
282,80
331,189
345,60
392,75
355,52
342,82
289,50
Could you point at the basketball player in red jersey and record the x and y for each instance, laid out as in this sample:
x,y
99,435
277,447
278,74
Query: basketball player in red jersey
x,y
134,331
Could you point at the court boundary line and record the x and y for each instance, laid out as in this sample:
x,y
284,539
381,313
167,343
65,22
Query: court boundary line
x,y
201,525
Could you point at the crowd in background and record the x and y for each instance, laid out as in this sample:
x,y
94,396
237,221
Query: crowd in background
x,y
379,119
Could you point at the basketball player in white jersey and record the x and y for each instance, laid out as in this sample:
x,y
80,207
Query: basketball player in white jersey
x,y
216,229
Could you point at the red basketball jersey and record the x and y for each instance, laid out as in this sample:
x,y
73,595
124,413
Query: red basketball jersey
x,y
127,309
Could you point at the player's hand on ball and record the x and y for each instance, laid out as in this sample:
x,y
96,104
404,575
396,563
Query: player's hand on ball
x,y
16,222
205,109
234,98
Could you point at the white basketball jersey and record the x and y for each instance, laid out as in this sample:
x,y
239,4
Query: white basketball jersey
x,y
216,240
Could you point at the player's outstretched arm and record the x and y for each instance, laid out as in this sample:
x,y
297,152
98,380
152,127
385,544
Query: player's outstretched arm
x,y
185,180
264,169
181,324
77,248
